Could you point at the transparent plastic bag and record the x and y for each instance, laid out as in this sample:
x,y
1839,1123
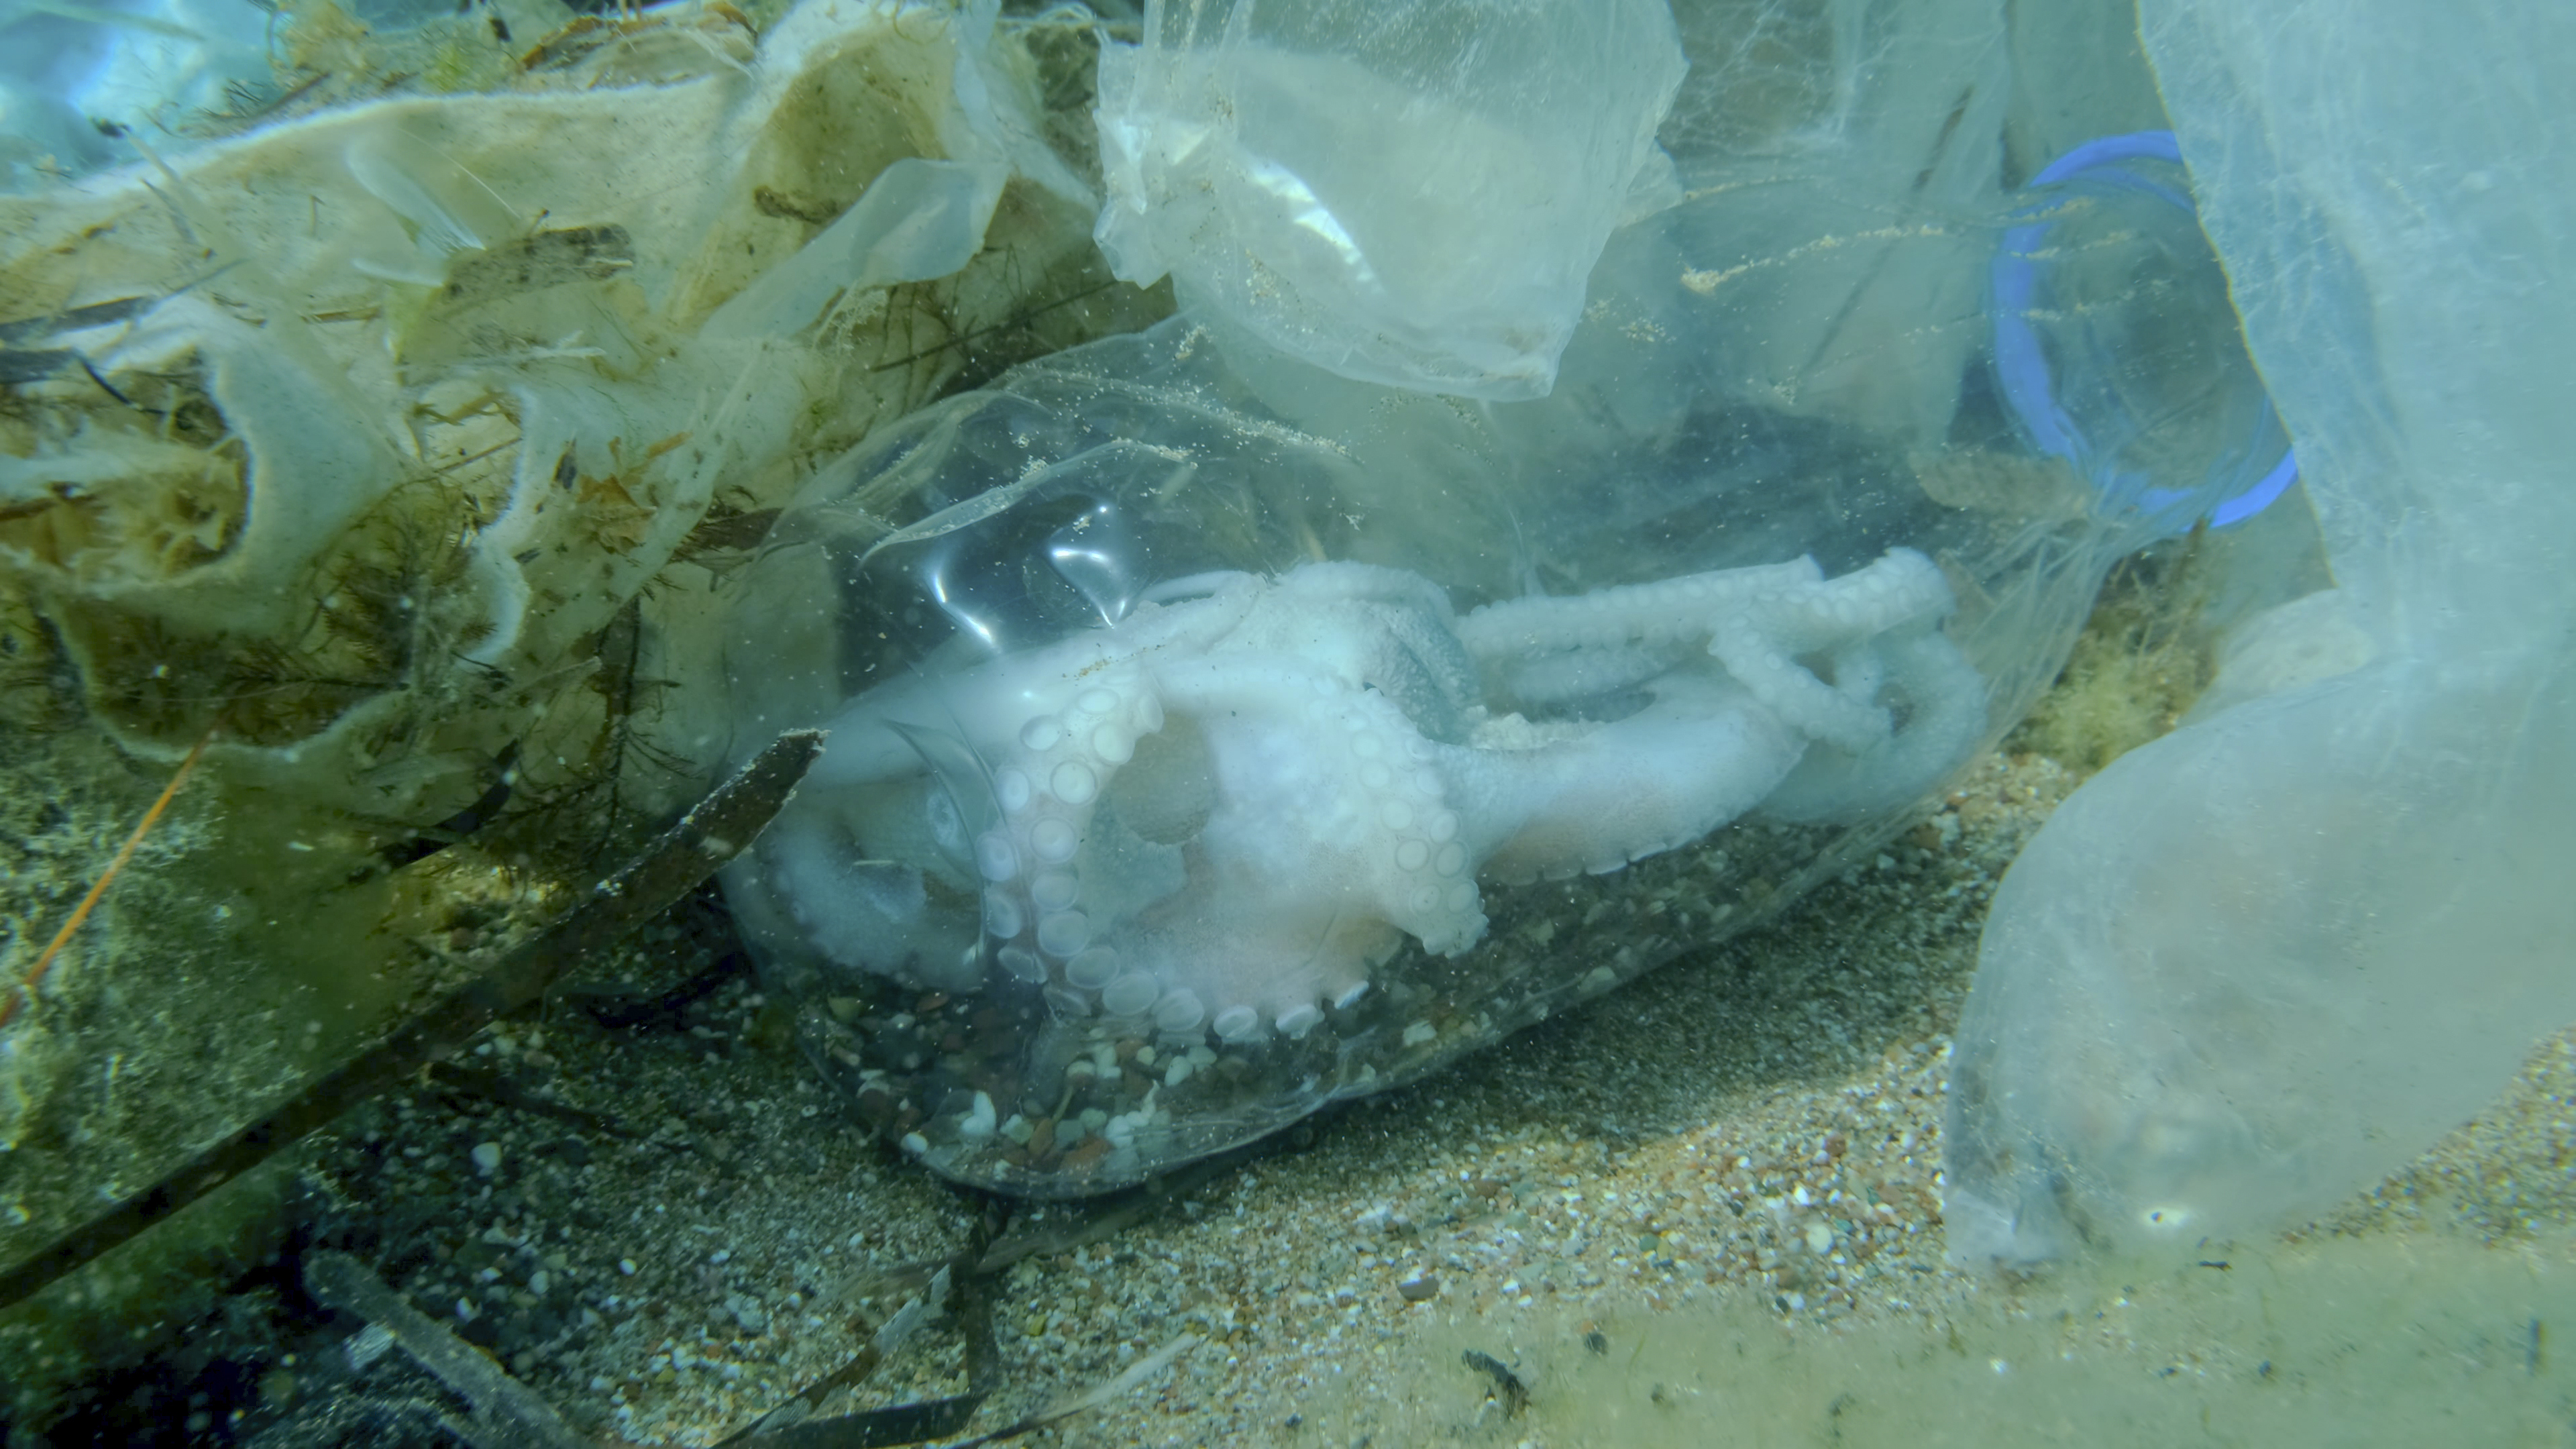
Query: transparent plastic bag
x,y
75,80
2270,957
1101,871
1409,193
1164,806
2249,969
1182,781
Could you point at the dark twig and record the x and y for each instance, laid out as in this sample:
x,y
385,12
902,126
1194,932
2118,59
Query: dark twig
x,y
1018,319
789,1427
670,868
506,1412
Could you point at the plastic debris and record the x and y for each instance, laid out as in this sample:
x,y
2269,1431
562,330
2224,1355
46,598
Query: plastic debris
x,y
2264,960
1410,193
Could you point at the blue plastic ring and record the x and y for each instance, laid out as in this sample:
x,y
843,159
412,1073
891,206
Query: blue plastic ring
x,y
2023,369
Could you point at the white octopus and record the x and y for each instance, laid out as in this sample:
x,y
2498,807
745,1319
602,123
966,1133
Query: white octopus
x,y
1226,810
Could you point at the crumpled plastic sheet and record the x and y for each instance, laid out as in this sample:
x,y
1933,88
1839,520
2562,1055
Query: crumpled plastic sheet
x,y
1216,735
2265,960
1409,193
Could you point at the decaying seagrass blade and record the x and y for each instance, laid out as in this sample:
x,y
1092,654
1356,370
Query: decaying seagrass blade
x,y
1094,1397
791,1425
675,864
506,1412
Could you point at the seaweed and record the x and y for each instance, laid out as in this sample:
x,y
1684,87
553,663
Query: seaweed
x,y
668,869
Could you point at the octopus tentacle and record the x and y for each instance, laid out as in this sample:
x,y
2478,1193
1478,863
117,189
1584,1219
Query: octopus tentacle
x,y
1946,702
1701,754
985,704
1364,803
1227,810
1664,612
1760,639
1580,674
1048,783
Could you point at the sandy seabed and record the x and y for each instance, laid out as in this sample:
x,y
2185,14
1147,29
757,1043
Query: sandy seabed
x,y
1704,1209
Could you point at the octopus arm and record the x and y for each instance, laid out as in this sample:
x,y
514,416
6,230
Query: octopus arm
x,y
1701,754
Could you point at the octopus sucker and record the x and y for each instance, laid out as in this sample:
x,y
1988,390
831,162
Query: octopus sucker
x,y
1227,812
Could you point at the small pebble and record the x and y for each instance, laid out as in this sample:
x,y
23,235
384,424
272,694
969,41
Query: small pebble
x,y
1573,1217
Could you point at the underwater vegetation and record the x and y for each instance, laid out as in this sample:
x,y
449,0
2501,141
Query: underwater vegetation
x,y
383,455
1588,479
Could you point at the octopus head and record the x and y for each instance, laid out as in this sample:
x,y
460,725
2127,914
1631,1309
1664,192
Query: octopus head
x,y
1219,814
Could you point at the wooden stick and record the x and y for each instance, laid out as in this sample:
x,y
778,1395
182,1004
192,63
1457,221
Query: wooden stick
x,y
26,992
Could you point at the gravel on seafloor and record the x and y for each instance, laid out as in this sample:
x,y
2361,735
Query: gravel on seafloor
x,y
683,1230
